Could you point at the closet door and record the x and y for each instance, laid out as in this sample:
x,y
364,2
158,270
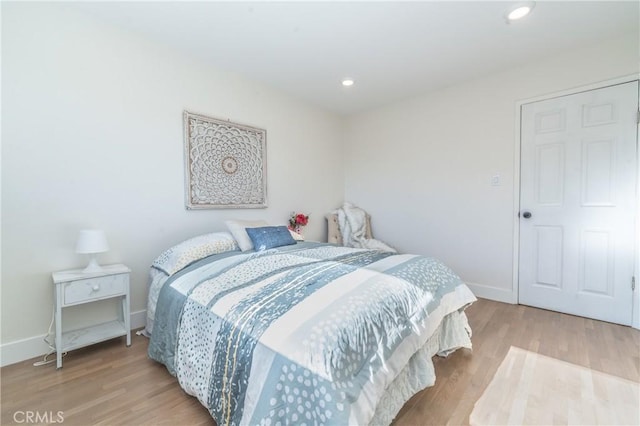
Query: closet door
x,y
578,201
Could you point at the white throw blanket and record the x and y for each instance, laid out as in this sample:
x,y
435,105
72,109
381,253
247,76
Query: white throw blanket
x,y
353,227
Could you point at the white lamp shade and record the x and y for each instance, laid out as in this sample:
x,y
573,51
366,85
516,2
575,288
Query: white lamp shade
x,y
92,241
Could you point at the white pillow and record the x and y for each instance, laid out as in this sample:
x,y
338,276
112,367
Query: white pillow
x,y
296,236
196,248
237,229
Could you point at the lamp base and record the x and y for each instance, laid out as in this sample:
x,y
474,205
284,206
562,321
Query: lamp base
x,y
93,266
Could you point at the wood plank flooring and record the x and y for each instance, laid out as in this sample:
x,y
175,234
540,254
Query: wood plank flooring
x,y
109,384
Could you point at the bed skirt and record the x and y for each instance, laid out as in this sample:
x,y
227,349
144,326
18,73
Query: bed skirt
x,y
452,333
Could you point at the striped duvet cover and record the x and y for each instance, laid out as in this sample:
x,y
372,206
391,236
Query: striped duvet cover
x,y
304,334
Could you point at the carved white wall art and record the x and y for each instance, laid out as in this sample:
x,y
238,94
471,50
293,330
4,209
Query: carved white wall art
x,y
225,164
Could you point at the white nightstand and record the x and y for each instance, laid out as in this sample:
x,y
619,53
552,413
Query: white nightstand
x,y
75,287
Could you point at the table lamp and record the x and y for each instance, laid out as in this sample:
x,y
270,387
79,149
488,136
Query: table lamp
x,y
92,242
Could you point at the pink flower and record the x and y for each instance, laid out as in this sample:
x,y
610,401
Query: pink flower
x,y
302,219
298,220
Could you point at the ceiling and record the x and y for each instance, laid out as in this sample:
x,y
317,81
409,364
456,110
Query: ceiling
x,y
393,50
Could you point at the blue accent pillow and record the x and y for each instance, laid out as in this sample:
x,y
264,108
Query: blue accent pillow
x,y
269,237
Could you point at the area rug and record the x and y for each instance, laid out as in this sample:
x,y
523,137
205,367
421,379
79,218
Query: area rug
x,y
533,389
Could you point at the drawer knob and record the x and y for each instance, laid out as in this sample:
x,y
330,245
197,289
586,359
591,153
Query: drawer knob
x,y
96,287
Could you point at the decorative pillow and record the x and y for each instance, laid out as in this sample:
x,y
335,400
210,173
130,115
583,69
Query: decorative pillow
x,y
237,229
270,237
196,248
296,236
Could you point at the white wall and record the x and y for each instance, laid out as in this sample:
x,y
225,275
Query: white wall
x,y
92,137
422,167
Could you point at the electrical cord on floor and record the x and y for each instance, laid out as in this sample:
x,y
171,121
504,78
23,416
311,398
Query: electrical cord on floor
x,y
52,346
46,361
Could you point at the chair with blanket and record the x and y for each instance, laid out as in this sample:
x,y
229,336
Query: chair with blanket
x,y
351,226
334,236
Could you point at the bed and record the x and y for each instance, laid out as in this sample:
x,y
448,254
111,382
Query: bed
x,y
305,333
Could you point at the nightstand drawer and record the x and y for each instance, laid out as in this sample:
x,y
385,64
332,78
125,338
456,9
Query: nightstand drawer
x,y
94,288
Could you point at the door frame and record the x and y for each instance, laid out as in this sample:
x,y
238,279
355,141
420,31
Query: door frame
x,y
635,321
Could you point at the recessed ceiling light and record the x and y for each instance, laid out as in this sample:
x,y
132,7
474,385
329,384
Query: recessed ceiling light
x,y
519,11
347,82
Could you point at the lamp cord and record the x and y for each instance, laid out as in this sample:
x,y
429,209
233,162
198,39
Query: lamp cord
x,y
52,346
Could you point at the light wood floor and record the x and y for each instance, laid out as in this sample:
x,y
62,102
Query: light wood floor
x,y
113,385
533,389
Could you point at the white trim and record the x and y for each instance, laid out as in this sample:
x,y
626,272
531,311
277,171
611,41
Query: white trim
x,y
572,91
138,319
516,206
493,293
635,322
24,349
21,350
635,318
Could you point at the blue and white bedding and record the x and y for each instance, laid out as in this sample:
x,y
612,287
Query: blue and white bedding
x,y
310,333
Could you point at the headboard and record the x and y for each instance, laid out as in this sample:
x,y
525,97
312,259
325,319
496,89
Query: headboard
x,y
333,229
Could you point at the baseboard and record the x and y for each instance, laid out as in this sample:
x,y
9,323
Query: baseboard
x,y
21,350
494,293
24,349
138,319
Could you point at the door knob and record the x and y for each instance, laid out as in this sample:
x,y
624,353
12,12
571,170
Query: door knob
x,y
526,215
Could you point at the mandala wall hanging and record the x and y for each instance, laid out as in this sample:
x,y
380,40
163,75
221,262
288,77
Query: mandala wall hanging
x,y
225,164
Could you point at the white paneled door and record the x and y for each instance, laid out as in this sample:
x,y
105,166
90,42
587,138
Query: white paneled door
x,y
578,201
